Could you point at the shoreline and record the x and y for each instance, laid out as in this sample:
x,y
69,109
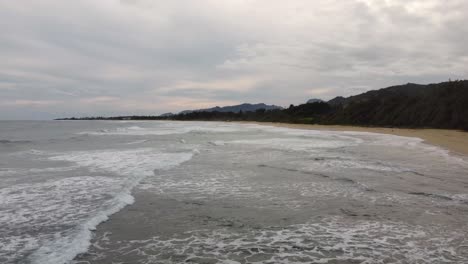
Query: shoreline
x,y
183,206
455,141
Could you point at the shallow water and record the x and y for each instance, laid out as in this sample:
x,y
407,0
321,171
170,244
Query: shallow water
x,y
207,192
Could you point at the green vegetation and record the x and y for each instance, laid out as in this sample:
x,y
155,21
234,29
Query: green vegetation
x,y
443,105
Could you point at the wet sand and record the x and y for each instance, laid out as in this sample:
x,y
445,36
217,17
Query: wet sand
x,y
455,141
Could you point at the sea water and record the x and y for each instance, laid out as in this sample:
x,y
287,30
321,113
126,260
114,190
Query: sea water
x,y
212,192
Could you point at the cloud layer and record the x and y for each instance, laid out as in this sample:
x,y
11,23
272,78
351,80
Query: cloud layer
x,y
75,58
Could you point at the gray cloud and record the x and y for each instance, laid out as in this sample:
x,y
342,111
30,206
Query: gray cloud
x,y
71,58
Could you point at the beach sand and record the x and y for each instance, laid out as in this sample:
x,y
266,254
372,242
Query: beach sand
x,y
453,140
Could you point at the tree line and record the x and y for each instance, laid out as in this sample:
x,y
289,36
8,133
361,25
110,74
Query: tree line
x,y
442,105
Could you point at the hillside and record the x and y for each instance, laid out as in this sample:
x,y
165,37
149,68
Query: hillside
x,y
442,105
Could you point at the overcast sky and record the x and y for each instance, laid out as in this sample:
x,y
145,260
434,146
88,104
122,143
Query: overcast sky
x,y
109,57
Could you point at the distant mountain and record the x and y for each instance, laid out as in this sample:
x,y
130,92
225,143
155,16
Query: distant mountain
x,y
441,105
236,108
409,89
166,115
314,100
339,100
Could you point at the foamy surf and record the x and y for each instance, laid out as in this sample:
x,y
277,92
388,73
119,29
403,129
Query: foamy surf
x,y
208,192
80,202
64,249
328,240
162,129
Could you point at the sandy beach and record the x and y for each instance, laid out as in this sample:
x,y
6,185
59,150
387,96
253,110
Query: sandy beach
x,y
453,140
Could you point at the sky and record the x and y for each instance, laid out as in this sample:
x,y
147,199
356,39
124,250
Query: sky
x,y
63,58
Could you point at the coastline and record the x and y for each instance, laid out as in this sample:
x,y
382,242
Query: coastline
x,y
208,203
455,141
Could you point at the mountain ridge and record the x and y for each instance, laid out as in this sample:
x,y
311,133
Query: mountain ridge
x,y
245,107
437,105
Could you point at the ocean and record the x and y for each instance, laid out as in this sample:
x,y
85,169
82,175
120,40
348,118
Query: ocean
x,y
219,192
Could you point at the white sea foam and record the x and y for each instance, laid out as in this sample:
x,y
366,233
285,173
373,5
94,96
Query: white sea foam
x,y
135,162
22,171
64,248
295,144
59,213
136,142
67,202
332,240
78,203
326,162
30,152
315,140
7,172
169,129
217,143
196,151
371,138
204,184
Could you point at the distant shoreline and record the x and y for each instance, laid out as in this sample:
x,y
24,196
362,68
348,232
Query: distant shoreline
x,y
455,141
441,106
